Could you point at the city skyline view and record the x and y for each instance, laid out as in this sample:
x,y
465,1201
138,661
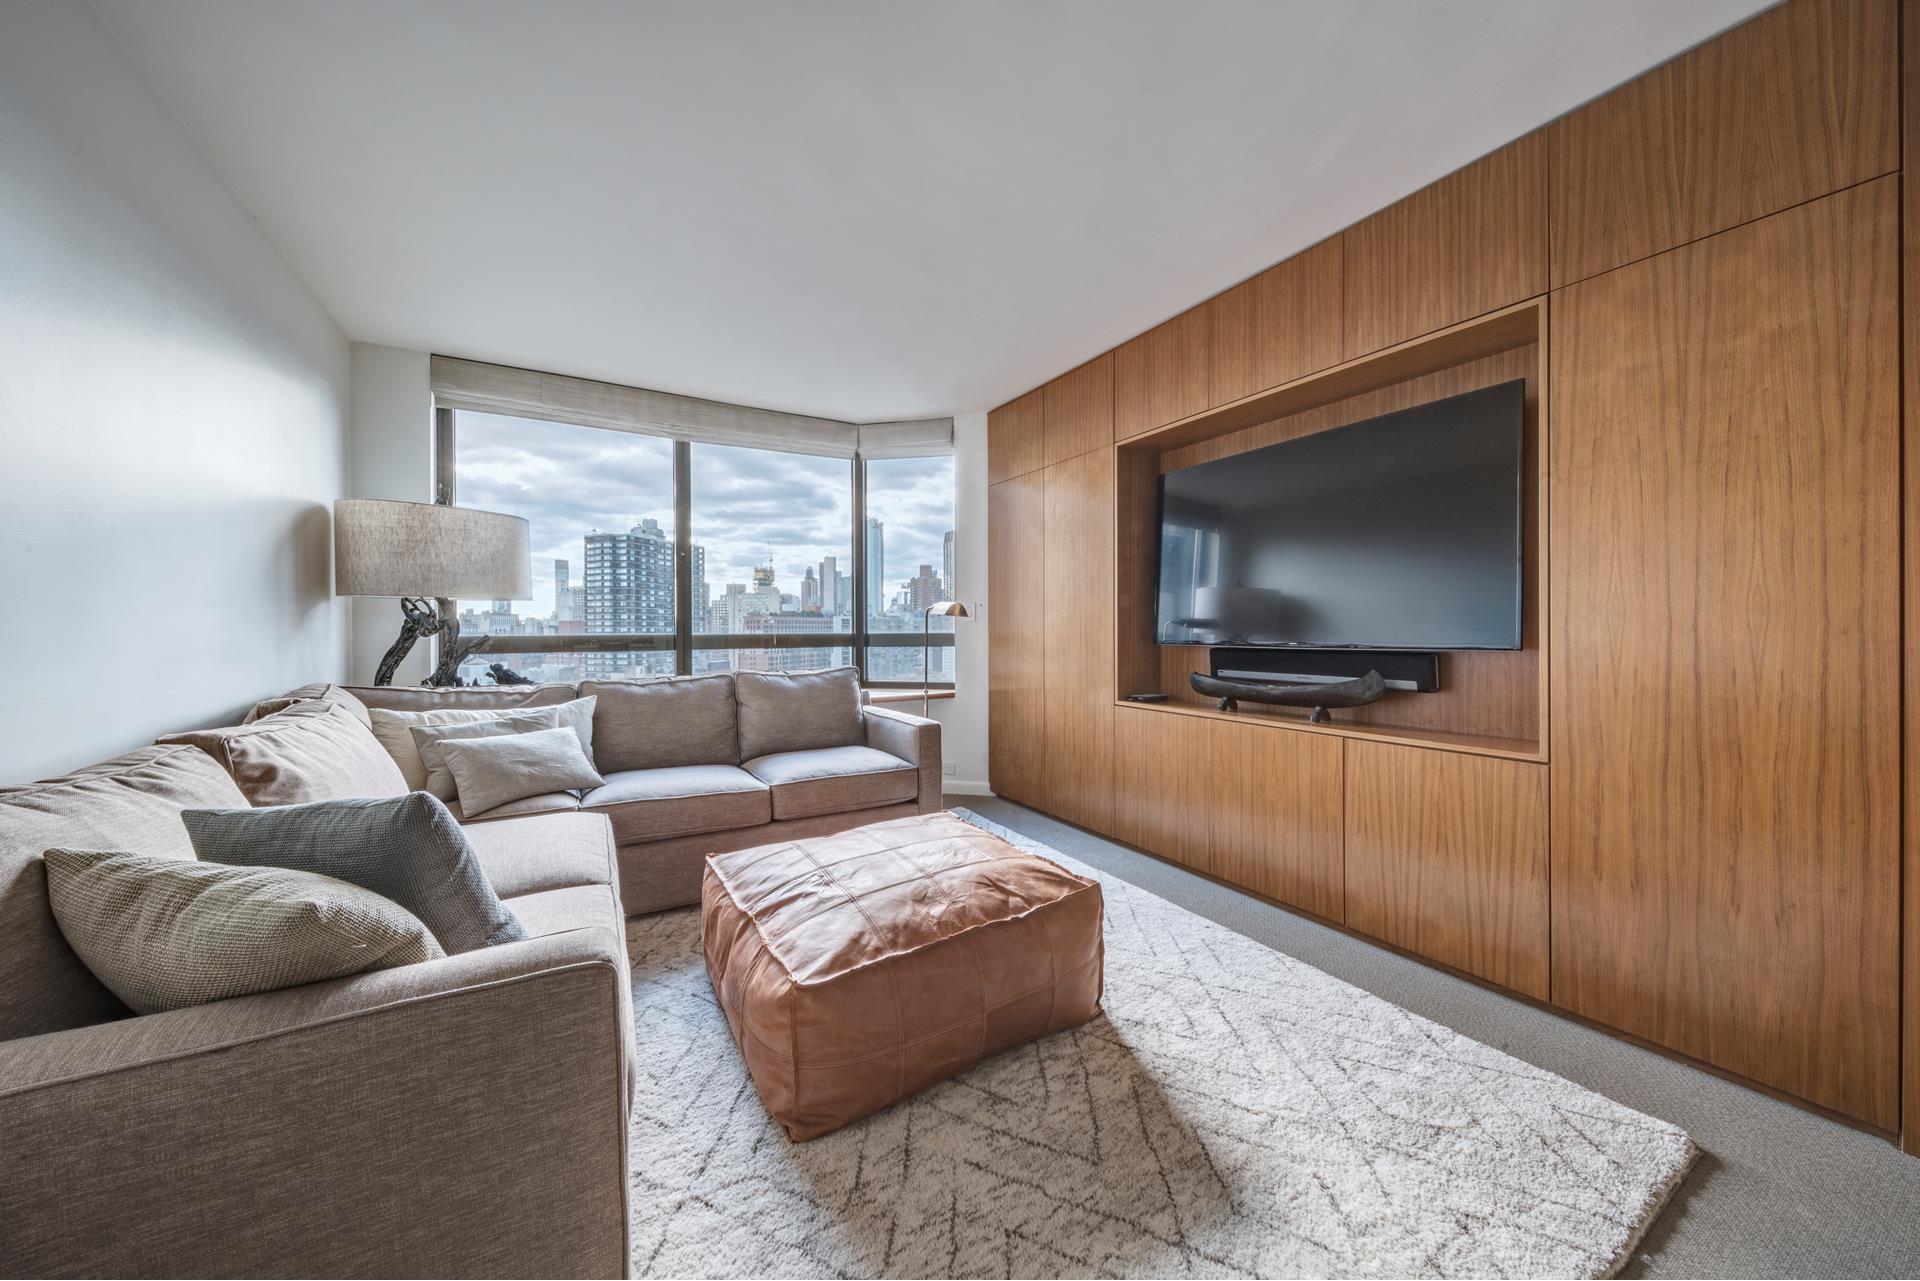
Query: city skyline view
x,y
771,538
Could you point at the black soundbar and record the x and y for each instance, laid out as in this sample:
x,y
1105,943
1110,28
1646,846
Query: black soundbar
x,y
1402,669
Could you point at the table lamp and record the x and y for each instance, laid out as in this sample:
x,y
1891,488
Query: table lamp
x,y
424,552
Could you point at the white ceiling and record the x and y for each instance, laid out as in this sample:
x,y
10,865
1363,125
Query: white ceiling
x,y
866,209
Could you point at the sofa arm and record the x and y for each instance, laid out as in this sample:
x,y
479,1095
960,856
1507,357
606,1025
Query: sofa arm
x,y
463,1117
912,738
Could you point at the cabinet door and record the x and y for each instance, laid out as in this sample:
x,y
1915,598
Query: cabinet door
x,y
1164,794
1469,244
1725,649
1276,814
1799,102
1016,437
1078,606
1016,632
1447,857
1281,325
1163,375
1078,406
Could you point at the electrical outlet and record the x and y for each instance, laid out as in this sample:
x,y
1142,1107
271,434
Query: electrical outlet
x,y
948,767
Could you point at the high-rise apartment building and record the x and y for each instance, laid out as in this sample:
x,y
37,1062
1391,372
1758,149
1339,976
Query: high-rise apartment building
x,y
831,598
924,590
951,588
810,593
563,604
628,587
876,566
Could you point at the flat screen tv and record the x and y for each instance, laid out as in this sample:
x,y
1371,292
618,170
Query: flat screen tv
x,y
1403,532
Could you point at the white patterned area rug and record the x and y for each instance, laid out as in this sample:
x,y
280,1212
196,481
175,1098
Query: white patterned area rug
x,y
1233,1113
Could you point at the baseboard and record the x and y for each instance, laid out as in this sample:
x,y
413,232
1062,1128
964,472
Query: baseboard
x,y
966,787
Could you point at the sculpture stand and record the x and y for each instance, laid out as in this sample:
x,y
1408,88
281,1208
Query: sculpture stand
x,y
1231,693
423,618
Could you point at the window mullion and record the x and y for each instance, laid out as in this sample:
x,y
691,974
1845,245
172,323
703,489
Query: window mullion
x,y
682,558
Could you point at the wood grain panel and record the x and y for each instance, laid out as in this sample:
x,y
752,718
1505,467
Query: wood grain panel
x,y
1797,103
1016,635
1910,458
1471,243
1078,408
1495,693
1016,438
1278,326
1163,374
1164,793
1078,607
1276,820
1446,856
1725,746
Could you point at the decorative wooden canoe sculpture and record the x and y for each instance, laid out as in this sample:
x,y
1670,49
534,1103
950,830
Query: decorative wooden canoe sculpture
x,y
1354,693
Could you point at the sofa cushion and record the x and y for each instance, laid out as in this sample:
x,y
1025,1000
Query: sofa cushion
x,y
543,852
486,698
685,720
833,780
679,800
495,771
798,711
131,803
320,691
407,848
394,730
166,933
312,751
575,714
545,803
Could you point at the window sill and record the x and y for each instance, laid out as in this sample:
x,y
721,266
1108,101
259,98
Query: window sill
x,y
905,695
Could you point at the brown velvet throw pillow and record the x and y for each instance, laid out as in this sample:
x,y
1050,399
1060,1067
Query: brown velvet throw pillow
x,y
311,751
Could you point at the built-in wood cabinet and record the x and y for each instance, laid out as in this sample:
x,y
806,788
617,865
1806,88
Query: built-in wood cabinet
x,y
1800,102
1446,856
1077,606
1283,323
1275,820
1078,410
1163,793
1017,437
1676,810
1469,244
1164,374
1016,637
1726,633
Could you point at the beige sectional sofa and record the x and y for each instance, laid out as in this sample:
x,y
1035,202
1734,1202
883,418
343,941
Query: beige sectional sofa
x,y
462,1117
700,765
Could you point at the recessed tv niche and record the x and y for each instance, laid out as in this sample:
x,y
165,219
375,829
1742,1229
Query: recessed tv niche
x,y
1403,532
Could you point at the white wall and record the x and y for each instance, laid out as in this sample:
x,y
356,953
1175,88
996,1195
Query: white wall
x,y
173,408
390,456
963,719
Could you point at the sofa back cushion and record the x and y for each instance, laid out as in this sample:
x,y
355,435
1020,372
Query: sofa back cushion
x,y
312,751
685,720
130,803
483,698
320,691
798,711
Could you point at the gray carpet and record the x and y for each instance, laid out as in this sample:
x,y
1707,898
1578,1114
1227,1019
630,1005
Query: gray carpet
x,y
1776,1191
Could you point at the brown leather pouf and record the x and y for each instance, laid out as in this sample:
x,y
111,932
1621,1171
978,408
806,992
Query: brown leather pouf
x,y
859,968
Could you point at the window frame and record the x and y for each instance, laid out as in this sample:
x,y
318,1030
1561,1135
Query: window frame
x,y
683,640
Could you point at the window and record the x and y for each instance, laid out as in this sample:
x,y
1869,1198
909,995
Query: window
x,y
665,556
599,506
909,565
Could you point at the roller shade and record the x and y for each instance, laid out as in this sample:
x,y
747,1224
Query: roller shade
x,y
527,393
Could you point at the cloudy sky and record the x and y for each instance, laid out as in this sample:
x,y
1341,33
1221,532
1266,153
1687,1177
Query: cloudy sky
x,y
749,505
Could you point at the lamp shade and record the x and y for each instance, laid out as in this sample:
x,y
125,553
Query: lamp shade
x,y
385,548
948,608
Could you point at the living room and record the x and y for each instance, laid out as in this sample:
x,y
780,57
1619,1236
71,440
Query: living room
x,y
959,639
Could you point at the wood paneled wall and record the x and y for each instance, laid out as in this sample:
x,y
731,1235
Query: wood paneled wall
x,y
1677,810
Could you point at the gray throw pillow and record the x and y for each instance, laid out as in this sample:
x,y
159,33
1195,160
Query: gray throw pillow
x,y
165,933
406,848
576,715
493,771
